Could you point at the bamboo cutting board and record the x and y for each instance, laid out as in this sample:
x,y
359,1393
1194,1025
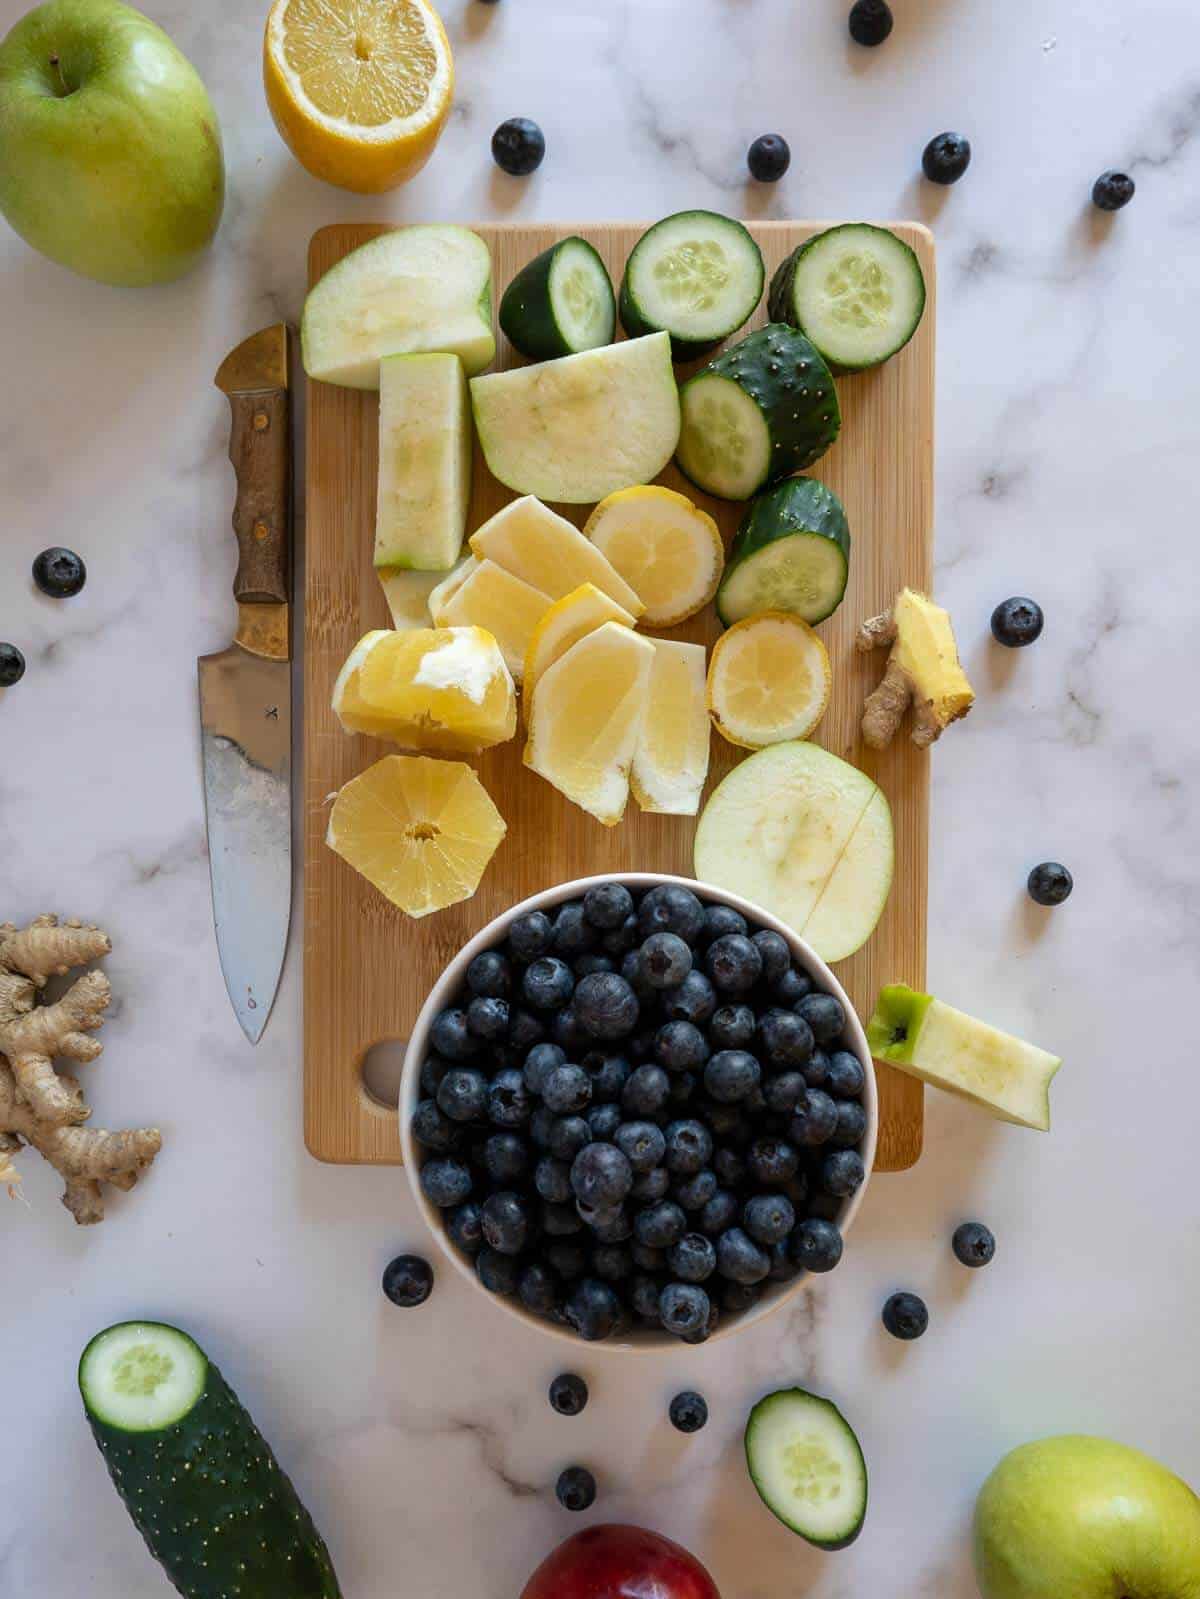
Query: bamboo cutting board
x,y
367,967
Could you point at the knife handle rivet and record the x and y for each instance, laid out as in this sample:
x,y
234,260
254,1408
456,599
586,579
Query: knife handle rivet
x,y
261,531
261,421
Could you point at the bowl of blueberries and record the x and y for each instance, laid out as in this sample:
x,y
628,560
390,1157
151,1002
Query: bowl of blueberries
x,y
638,1109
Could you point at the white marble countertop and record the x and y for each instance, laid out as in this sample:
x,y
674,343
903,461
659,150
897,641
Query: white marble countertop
x,y
1067,406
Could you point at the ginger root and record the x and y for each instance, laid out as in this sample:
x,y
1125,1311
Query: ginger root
x,y
39,1107
923,669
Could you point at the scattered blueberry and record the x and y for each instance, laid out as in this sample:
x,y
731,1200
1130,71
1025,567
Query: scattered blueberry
x,y
768,1218
518,147
489,975
683,1308
973,1243
608,906
1112,190
945,158
408,1281
12,665
601,1176
842,1172
59,573
576,1488
688,1411
1017,622
531,936
905,1316
1050,883
568,1394
870,21
768,158
816,1244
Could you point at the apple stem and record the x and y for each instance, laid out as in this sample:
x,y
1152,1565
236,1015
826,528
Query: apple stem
x,y
64,86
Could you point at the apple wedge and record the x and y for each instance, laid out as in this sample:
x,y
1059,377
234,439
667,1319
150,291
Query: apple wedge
x,y
949,1049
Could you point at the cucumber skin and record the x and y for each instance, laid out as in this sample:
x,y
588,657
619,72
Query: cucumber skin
x,y
781,306
526,314
800,427
830,1545
636,325
245,1509
797,505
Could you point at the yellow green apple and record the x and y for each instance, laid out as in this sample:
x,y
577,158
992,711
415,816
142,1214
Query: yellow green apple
x,y
110,153
1082,1518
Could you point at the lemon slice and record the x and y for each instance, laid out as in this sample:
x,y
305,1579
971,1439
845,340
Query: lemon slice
x,y
359,89
586,719
671,763
422,831
444,689
667,549
768,680
563,625
489,597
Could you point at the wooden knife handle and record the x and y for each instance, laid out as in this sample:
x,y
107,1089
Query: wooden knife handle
x,y
260,449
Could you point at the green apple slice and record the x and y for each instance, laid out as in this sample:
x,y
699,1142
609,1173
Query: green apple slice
x,y
806,836
949,1049
424,462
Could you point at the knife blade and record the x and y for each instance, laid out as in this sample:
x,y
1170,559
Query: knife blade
x,y
245,692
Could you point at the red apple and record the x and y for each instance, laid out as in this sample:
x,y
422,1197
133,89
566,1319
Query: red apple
x,y
620,1562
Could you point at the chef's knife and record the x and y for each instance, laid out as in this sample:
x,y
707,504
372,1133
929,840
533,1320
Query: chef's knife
x,y
245,692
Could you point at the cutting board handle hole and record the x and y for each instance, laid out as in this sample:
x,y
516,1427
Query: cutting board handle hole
x,y
380,1070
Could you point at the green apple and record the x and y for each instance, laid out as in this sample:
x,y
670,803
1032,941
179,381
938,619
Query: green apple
x,y
1083,1518
110,153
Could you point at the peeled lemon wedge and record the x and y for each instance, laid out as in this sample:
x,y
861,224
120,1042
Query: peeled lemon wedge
x,y
423,831
671,762
482,594
564,624
359,89
768,680
667,550
444,689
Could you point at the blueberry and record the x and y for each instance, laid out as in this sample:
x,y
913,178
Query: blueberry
x,y
776,956
538,1288
509,1102
783,1268
973,1243
905,1316
683,1308
683,1086
851,1125
845,1076
433,1069
464,1227
1017,622
498,1273
736,1297
825,1207
784,1038
433,1129
694,1192
609,1074
606,1005
768,1218
1049,883
463,1094
771,1161
634,974
732,1027
548,983
666,960
791,988
59,573
784,1092
720,1210
620,940
524,1030
488,1019
451,1037
603,1121
642,1144
729,1167
945,158
734,963
719,920
641,1045
692,1259
768,158
612,1263
646,1091
661,1225
518,147
601,1176
643,1296
668,908
694,1000
552,1179
489,975
689,1146
408,1281
680,1046
842,1172
507,1224
609,1226
589,965
825,1017
560,1220
730,1075
816,1244
593,1309
568,1089
688,1411
870,21
573,933
505,1157
568,1394
12,665
576,1487
1112,190
740,1259
816,1069
531,936
608,905
567,1136
541,1060
651,1186
568,1259
569,1034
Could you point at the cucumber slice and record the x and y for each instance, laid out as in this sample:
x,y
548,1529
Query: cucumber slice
x,y
561,303
791,553
857,291
195,1473
697,275
808,1466
759,411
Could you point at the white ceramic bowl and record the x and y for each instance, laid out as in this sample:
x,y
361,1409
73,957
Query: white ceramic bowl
x,y
446,990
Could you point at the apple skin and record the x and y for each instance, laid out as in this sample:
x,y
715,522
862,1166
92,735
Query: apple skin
x,y
617,1561
1082,1518
110,153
